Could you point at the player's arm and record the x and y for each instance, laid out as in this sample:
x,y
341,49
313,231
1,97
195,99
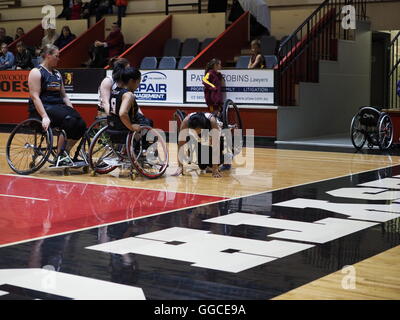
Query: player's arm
x,y
105,94
34,84
128,100
184,127
216,134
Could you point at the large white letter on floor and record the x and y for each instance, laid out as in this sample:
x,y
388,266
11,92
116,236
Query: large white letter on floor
x,y
203,249
320,231
68,285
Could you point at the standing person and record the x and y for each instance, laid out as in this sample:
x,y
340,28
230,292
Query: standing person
x,y
102,7
66,37
7,59
23,58
49,102
212,82
19,33
257,60
121,6
76,10
66,12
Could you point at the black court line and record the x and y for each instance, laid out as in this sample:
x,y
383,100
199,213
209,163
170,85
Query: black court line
x,y
170,279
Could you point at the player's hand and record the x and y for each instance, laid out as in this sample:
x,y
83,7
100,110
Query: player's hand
x,y
178,172
45,123
136,127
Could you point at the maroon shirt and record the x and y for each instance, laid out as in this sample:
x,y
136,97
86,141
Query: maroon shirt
x,y
212,82
115,43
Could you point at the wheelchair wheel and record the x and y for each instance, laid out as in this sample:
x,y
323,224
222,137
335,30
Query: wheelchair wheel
x,y
148,152
28,147
357,132
385,133
231,120
91,132
100,151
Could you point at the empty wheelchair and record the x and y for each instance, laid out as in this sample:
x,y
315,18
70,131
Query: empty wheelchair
x,y
29,147
372,126
143,152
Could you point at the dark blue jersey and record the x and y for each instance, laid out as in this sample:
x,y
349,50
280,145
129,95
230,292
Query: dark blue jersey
x,y
50,89
114,120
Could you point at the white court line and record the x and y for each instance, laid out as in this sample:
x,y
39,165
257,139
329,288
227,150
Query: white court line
x,y
185,208
22,197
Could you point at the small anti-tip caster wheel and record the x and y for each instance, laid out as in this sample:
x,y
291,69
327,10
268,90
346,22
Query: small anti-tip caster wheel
x,y
85,169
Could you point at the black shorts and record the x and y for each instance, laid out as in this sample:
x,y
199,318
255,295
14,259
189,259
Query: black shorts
x,y
64,117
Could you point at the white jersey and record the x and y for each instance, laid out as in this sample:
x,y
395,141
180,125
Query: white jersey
x,y
114,85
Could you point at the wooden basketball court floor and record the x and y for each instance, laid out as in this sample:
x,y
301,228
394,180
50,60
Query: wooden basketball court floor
x,y
377,277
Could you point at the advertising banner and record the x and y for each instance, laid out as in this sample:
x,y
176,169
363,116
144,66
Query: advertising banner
x,y
161,86
241,86
14,84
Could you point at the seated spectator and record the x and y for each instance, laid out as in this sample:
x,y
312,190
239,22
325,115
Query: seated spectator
x,y
7,58
50,37
65,38
76,10
257,60
19,33
4,38
113,46
23,58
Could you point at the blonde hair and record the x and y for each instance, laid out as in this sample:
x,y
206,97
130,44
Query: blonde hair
x,y
48,49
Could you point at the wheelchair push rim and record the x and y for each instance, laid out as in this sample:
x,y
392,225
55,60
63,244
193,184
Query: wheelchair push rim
x,y
232,121
385,133
357,132
150,160
99,150
28,147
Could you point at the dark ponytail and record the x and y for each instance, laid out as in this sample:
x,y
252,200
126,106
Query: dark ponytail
x,y
128,74
199,120
118,65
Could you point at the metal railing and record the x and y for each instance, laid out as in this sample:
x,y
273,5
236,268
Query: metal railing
x,y
168,5
314,40
394,72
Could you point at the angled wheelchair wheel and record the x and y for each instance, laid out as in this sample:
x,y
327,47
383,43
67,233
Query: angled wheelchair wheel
x,y
101,153
91,132
233,122
357,132
28,147
178,116
385,132
148,152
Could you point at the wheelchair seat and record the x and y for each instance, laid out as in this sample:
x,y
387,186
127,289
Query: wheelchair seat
x,y
369,117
